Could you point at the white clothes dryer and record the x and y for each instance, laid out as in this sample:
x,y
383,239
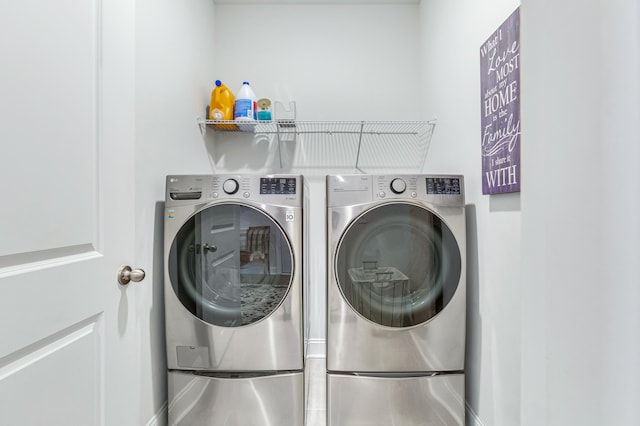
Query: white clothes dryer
x,y
233,299
396,299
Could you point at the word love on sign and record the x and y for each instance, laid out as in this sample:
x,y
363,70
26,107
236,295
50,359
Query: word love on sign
x,y
500,108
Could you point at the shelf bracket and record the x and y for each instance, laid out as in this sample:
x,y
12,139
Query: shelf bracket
x,y
359,146
279,146
203,126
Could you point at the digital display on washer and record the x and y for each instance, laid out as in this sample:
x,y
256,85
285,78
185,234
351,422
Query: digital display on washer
x,y
277,185
443,186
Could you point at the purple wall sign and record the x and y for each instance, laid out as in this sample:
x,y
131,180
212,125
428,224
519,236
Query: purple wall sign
x,y
500,106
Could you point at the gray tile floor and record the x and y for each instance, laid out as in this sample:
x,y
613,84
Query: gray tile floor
x,y
316,411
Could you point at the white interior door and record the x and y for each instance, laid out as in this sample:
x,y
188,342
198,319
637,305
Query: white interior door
x,y
67,334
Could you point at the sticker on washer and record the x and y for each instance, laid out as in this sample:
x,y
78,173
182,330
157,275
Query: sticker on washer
x,y
170,214
290,216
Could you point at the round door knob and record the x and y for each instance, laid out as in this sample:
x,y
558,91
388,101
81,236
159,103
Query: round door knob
x,y
126,275
209,247
230,186
398,186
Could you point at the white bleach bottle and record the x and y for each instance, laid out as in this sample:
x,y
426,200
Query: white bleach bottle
x,y
245,104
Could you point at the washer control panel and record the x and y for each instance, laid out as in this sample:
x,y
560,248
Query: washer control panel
x,y
198,189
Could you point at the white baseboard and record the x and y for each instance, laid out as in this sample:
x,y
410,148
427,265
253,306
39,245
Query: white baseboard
x,y
472,417
160,418
317,348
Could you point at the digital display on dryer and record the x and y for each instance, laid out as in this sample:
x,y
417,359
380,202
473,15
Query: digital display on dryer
x,y
443,186
277,186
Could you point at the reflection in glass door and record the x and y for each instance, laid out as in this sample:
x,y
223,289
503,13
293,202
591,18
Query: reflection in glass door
x,y
230,265
398,265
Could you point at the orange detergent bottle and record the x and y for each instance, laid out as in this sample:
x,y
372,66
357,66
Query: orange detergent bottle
x,y
221,105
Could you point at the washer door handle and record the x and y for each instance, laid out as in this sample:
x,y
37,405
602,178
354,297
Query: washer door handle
x,y
126,275
206,247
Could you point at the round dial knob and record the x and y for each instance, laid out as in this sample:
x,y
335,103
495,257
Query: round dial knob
x,y
398,186
230,186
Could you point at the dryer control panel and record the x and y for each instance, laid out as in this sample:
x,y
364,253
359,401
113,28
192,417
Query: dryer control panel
x,y
441,190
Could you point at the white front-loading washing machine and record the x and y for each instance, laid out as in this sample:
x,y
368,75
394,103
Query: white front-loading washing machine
x,y
233,299
396,299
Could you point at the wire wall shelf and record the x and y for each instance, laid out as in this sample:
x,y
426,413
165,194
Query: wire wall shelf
x,y
326,146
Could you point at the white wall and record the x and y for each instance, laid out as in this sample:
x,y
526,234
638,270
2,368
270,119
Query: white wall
x,y
174,70
452,33
580,232
338,62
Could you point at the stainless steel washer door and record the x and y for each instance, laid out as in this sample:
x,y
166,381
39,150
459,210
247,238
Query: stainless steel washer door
x,y
398,265
230,265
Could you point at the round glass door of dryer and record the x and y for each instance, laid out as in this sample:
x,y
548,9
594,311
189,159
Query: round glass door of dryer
x,y
231,265
398,265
